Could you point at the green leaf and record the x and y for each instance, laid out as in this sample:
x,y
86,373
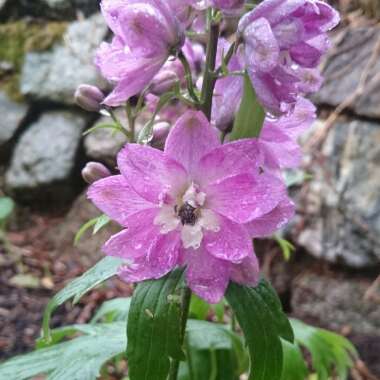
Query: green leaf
x,y
83,229
154,330
250,117
114,127
113,310
99,222
259,313
294,364
78,359
103,270
198,307
213,352
287,248
329,351
6,208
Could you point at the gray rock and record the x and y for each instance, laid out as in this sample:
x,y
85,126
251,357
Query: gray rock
x,y
54,9
44,160
12,116
342,202
103,144
54,75
336,302
345,67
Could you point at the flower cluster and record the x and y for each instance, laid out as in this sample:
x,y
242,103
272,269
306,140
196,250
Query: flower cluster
x,y
197,203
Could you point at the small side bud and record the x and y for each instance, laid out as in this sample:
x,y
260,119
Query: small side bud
x,y
93,171
89,97
160,133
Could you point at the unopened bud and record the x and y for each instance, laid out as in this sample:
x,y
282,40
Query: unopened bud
x,y
89,97
93,171
160,133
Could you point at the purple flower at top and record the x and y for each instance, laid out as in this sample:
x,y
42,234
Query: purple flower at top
x,y
280,39
197,204
146,33
230,7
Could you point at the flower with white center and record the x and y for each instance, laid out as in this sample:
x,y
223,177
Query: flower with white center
x,y
197,204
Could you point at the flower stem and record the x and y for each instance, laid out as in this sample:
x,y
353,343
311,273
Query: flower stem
x,y
185,306
209,79
188,76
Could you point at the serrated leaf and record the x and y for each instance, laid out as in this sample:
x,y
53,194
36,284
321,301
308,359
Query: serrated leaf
x,y
113,310
198,307
329,351
213,352
78,359
259,313
250,118
154,330
103,270
6,208
294,364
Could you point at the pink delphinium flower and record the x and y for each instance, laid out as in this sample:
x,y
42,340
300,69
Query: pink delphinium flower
x,y
279,38
146,33
197,204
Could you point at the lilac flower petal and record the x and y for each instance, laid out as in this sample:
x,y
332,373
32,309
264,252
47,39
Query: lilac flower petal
x,y
190,139
245,197
310,80
273,10
222,162
150,172
269,223
279,150
162,257
116,198
231,243
206,275
308,54
247,272
134,81
135,241
261,47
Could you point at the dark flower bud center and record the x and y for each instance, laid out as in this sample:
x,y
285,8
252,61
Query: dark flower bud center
x,y
187,214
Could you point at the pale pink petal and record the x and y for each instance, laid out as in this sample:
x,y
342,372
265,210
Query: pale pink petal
x,y
231,242
261,47
137,240
150,172
247,272
269,223
206,275
190,139
245,197
225,161
117,199
161,258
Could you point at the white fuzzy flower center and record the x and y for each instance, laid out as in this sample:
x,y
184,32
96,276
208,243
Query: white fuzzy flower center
x,y
189,215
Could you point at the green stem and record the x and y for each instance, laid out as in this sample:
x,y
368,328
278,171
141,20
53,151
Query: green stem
x,y
131,120
188,76
209,79
185,306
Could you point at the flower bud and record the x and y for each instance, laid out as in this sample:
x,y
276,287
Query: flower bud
x,y
160,133
93,171
89,97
